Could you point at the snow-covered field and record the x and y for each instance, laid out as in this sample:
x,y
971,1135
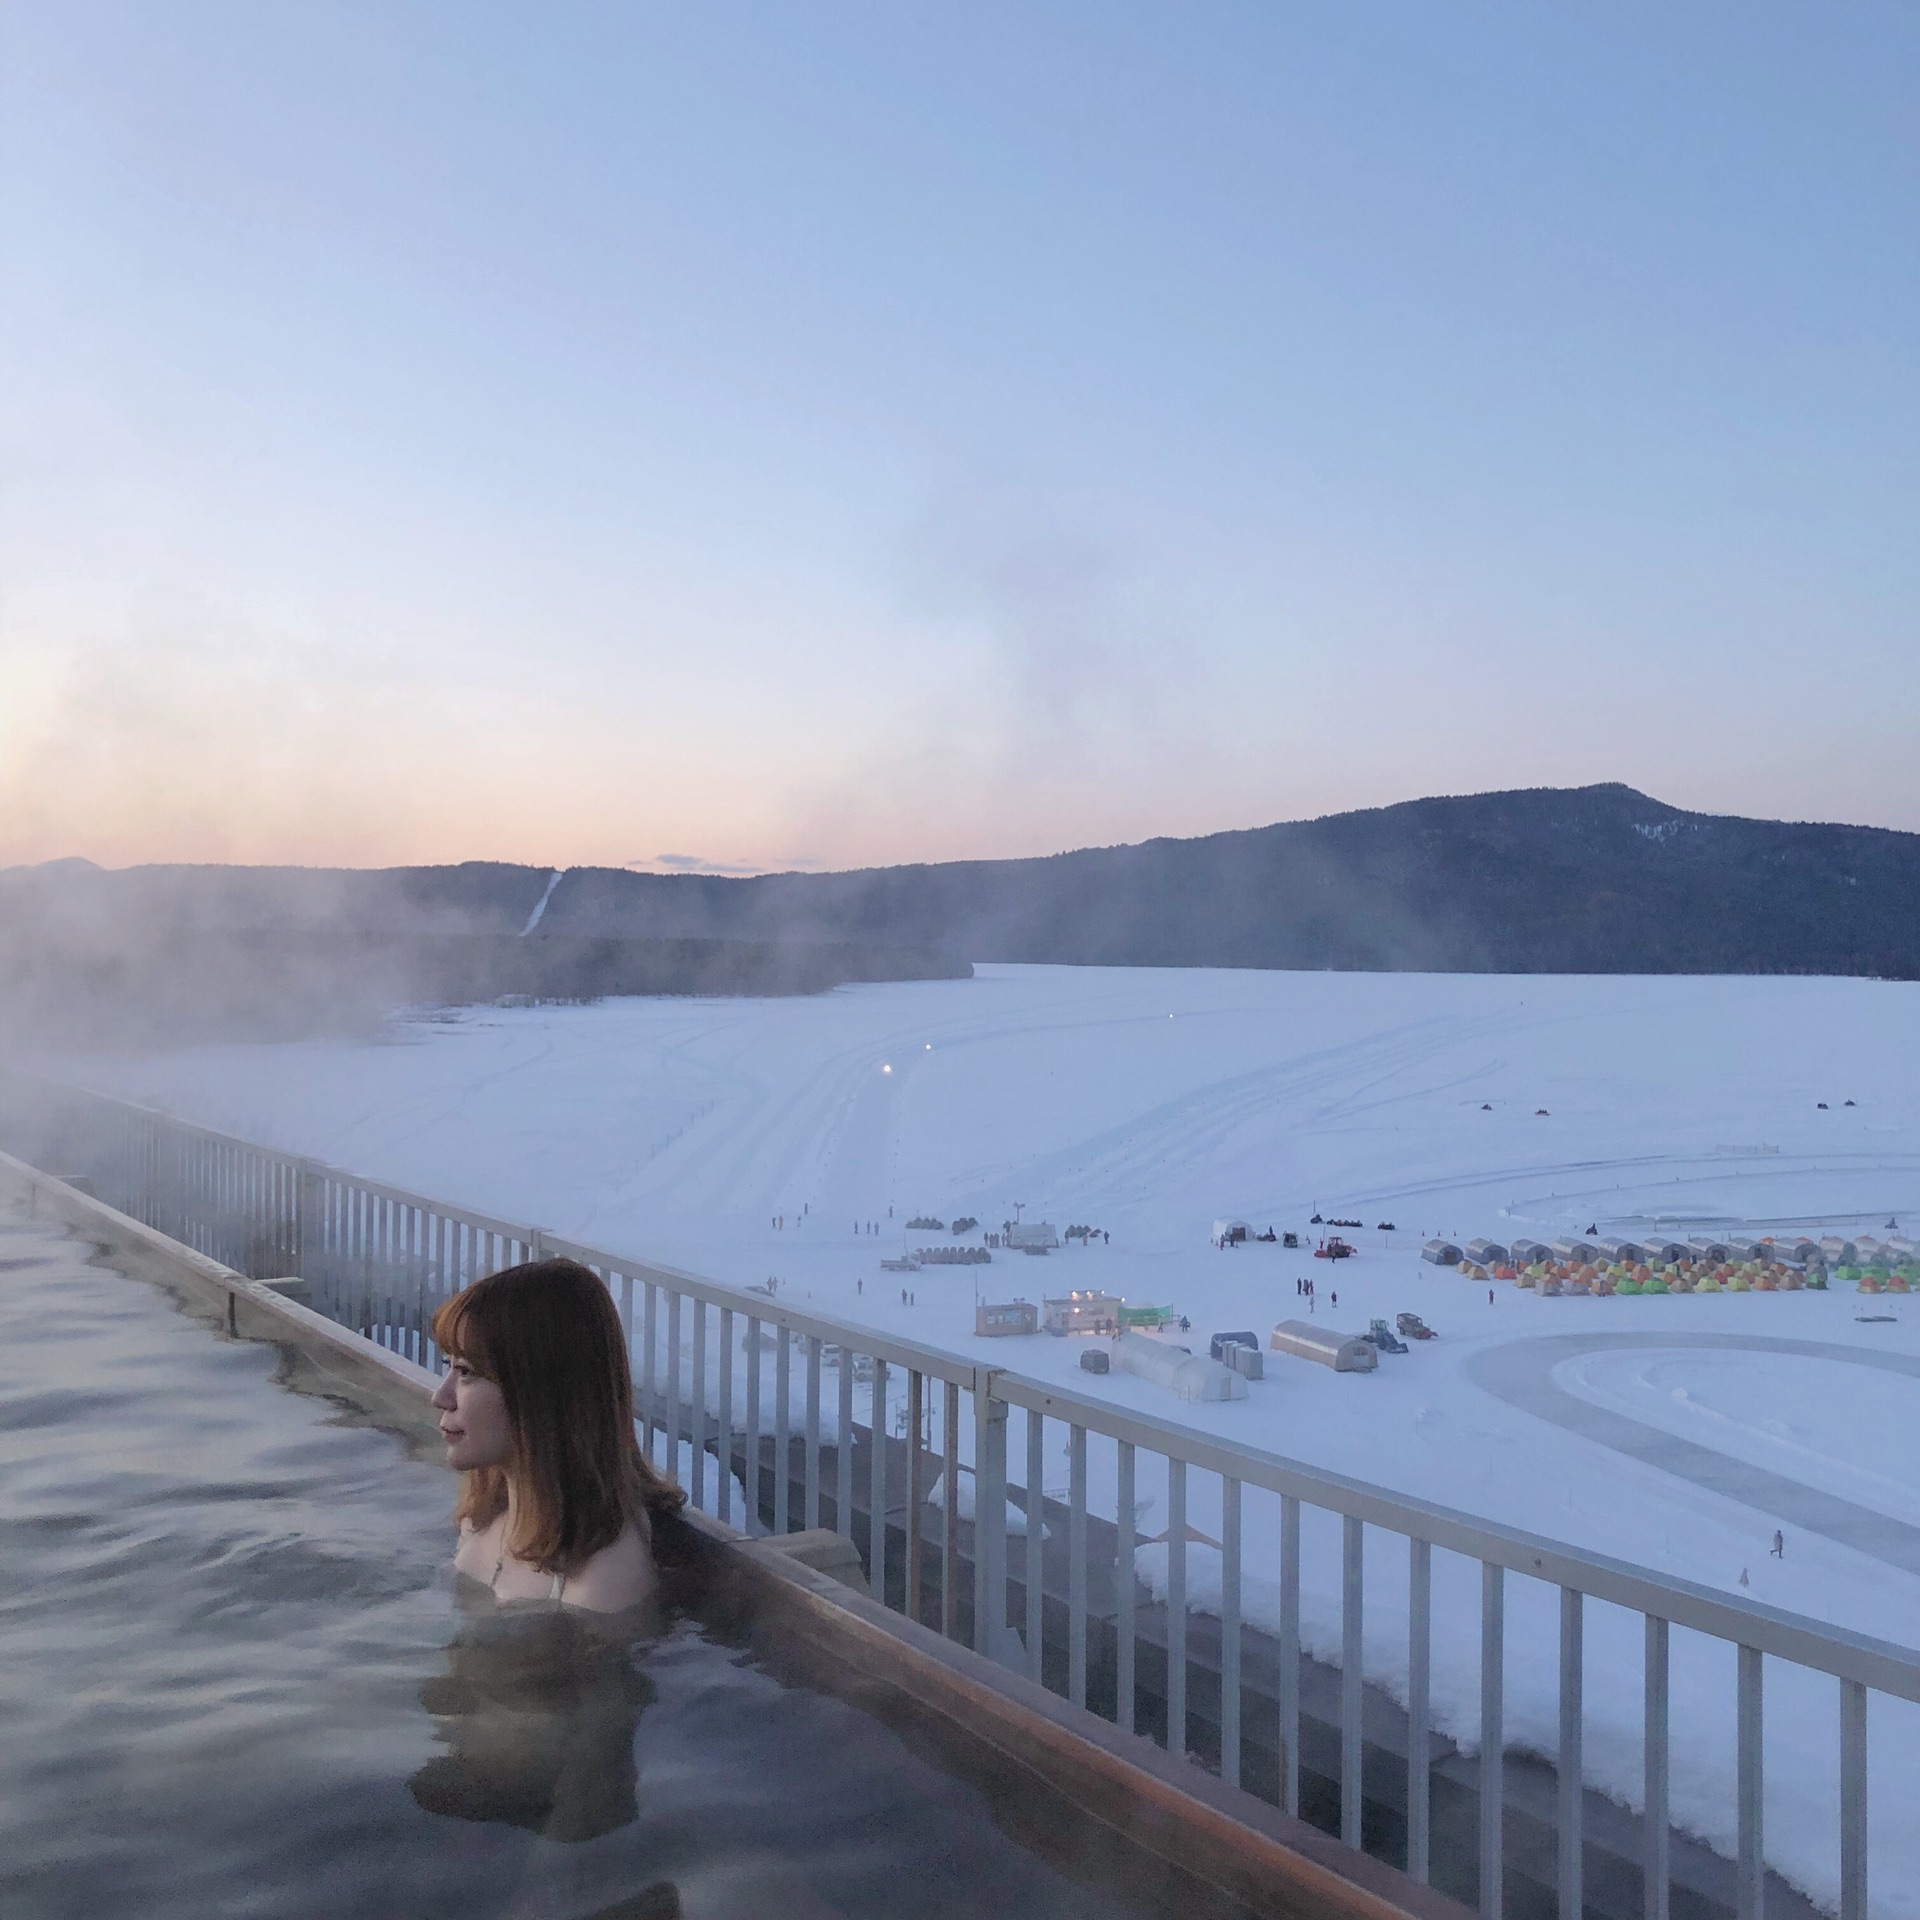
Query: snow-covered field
x,y
1148,1103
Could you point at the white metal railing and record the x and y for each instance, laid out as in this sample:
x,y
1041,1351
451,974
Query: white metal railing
x,y
1070,1612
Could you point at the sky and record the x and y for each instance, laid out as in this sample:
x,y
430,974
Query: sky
x,y
814,435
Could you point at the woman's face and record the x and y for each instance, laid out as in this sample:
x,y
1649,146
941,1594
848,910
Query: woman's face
x,y
473,1419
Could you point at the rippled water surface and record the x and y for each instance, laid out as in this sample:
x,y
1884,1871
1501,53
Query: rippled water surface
x,y
235,1679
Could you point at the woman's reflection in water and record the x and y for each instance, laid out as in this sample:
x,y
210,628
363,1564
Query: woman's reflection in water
x,y
538,1713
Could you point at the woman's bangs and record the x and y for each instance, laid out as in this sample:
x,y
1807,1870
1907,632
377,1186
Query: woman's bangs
x,y
460,1332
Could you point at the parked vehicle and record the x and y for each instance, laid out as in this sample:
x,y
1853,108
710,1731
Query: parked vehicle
x,y
1385,1338
1413,1327
1333,1248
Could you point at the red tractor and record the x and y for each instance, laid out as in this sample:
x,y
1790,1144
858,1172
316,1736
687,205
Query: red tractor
x,y
1333,1248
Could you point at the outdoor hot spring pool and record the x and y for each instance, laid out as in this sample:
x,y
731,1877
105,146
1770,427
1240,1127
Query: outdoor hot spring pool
x,y
235,1679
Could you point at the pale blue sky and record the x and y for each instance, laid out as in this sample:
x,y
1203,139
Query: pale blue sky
x,y
821,434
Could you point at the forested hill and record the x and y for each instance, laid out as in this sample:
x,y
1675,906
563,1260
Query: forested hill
x,y
1587,880
1593,879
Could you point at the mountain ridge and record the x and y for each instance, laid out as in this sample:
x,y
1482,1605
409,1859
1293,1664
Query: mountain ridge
x,y
1588,879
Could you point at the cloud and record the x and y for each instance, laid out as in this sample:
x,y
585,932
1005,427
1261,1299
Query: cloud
x,y
694,863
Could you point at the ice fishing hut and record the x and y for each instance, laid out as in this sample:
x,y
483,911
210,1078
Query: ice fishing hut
x,y
1617,1250
1186,1375
1664,1252
1083,1312
1231,1233
1343,1352
1838,1251
1527,1252
1486,1253
1031,1236
1571,1247
1703,1246
997,1320
1440,1253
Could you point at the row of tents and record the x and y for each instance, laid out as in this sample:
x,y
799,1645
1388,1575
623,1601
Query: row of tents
x,y
1787,1249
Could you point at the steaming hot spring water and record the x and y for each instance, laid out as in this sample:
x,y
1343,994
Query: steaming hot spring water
x,y
236,1679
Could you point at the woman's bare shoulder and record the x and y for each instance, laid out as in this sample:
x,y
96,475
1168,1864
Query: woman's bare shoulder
x,y
617,1577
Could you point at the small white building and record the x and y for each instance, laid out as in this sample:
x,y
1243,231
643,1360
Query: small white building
x,y
1486,1253
1188,1376
1343,1352
1526,1252
1572,1247
1704,1246
1615,1248
1440,1253
1231,1233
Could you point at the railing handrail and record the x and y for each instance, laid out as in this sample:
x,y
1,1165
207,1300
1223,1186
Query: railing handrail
x,y
1822,1647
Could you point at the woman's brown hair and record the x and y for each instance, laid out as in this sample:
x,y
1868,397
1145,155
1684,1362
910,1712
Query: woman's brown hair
x,y
547,1335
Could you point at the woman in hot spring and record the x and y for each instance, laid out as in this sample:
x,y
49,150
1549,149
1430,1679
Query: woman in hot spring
x,y
557,1502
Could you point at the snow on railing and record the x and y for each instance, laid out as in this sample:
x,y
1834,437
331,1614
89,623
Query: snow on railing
x,y
1263,1676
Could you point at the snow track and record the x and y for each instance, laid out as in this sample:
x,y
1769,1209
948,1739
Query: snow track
x,y
1523,1374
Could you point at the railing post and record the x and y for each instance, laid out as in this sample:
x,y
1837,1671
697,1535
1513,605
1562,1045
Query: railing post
x,y
725,1484
1124,1583
990,1633
1655,1877
1571,1763
1493,1607
949,1509
1077,1566
1853,1800
1290,1654
751,1447
1419,1687
1033,1559
697,1408
811,1442
1352,1674
877,1486
1230,1631
782,1428
650,1366
673,1384
1176,1607
1752,1877
916,1412
843,1450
